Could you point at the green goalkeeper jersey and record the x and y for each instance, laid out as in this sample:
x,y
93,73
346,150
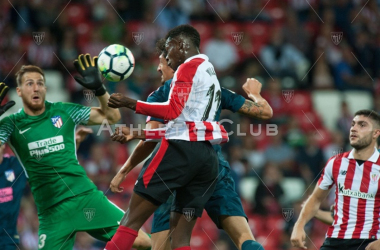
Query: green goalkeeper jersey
x,y
45,145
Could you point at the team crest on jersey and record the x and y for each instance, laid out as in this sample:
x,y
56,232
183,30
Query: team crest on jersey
x,y
374,177
188,213
10,175
288,213
57,121
89,213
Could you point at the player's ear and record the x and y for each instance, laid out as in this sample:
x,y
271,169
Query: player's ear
x,y
18,90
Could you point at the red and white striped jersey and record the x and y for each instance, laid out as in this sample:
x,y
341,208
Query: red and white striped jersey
x,y
357,196
194,98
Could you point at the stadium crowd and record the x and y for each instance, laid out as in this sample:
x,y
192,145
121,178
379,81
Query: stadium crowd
x,y
295,48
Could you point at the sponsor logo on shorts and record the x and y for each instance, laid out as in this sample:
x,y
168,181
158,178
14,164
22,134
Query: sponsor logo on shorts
x,y
46,146
188,213
89,213
355,194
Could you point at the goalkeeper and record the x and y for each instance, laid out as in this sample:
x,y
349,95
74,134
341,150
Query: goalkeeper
x,y
42,136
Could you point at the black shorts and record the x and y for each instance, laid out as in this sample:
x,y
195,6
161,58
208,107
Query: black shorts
x,y
190,168
346,244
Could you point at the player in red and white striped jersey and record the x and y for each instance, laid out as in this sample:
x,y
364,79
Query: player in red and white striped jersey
x,y
357,194
184,161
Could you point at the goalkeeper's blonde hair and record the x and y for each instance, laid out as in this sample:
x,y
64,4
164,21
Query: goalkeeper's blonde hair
x,y
25,69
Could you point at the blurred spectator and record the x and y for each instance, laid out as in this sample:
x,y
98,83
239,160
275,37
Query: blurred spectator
x,y
310,158
112,29
226,9
254,156
336,146
253,10
321,75
283,59
295,34
273,94
269,191
41,53
67,51
95,45
280,153
171,15
349,74
344,121
294,135
221,52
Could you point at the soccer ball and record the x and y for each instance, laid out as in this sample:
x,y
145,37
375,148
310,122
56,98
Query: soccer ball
x,y
116,62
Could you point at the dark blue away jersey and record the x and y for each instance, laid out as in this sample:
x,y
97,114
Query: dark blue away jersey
x,y
12,184
230,100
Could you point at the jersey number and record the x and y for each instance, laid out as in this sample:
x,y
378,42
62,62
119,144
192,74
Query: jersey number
x,y
210,93
41,244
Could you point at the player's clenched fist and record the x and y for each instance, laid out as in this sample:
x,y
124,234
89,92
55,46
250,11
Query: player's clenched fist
x,y
116,182
124,134
252,86
298,237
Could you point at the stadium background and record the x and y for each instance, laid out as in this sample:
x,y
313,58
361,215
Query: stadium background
x,y
318,61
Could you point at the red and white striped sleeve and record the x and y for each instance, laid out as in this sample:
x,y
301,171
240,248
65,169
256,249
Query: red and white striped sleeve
x,y
181,85
326,181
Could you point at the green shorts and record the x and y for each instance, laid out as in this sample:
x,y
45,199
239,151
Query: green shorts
x,y
90,212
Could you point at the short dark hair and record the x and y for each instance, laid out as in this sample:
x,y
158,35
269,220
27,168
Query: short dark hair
x,y
25,69
187,31
371,114
160,46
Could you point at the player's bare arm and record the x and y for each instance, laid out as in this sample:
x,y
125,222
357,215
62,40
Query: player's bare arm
x,y
258,108
90,79
118,100
308,211
81,134
140,153
324,216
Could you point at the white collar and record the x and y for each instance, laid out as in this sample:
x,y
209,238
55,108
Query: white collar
x,y
374,157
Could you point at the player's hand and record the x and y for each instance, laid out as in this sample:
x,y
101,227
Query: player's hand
x,y
88,69
81,134
3,92
116,181
124,134
252,86
118,100
375,245
298,237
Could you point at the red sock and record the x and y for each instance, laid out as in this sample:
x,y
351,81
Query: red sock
x,y
122,240
182,248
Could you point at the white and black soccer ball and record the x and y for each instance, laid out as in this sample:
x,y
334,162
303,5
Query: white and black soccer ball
x,y
116,62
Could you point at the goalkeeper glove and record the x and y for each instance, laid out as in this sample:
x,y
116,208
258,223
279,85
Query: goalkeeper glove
x,y
87,68
3,91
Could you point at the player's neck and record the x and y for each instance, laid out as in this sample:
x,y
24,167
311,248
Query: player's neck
x,y
31,112
365,153
191,53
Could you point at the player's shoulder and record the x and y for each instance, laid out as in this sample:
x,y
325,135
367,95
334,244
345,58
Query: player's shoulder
x,y
339,156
